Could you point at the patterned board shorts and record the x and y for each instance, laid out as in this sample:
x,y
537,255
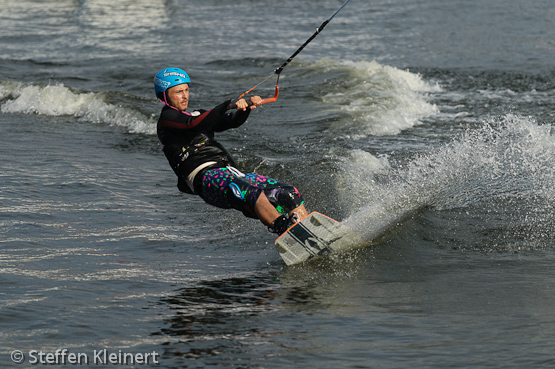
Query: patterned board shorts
x,y
228,188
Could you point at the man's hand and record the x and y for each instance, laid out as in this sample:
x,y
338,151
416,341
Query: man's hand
x,y
243,105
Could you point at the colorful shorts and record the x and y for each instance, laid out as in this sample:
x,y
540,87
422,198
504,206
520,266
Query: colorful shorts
x,y
228,188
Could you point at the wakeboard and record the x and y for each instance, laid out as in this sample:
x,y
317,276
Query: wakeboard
x,y
314,236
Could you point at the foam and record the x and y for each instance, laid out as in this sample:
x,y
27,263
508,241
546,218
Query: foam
x,y
508,157
383,100
59,100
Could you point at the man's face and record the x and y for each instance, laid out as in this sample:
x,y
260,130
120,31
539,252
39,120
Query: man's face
x,y
178,96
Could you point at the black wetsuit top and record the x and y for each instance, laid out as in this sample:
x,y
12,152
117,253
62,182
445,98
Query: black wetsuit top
x,y
188,140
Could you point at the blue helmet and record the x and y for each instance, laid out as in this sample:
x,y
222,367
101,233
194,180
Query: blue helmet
x,y
169,77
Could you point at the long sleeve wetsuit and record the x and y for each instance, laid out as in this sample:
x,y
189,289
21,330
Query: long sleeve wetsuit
x,y
189,144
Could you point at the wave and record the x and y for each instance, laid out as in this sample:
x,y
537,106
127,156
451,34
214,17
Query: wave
x,y
59,100
380,99
507,161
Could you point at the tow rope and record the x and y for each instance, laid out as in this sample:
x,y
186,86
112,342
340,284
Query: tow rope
x,y
280,69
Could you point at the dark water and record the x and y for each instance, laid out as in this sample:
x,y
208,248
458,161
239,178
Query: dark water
x,y
437,113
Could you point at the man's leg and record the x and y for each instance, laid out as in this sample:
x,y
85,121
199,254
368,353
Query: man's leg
x,y
254,195
267,213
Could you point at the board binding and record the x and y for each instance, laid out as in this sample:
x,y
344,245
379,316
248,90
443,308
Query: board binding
x,y
314,236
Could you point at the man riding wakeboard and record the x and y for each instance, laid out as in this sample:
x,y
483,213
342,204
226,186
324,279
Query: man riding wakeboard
x,y
204,167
